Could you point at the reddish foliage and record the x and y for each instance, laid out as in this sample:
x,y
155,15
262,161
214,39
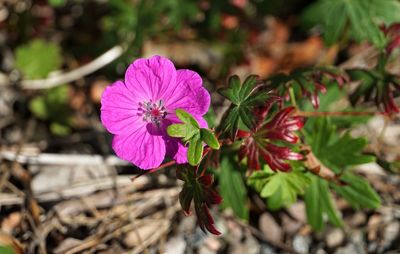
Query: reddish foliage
x,y
199,188
261,142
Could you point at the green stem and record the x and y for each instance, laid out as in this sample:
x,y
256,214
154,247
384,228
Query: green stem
x,y
292,97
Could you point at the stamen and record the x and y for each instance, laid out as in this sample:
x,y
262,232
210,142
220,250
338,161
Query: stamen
x,y
153,112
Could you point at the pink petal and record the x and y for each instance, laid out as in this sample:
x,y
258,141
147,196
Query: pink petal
x,y
176,150
188,94
119,112
143,149
150,78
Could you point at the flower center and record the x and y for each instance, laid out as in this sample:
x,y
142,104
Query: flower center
x,y
153,112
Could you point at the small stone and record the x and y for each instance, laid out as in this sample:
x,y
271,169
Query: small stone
x,y
266,249
373,225
176,245
334,238
290,226
301,244
187,225
270,228
234,230
212,243
320,251
297,210
358,219
204,250
351,248
390,234
249,246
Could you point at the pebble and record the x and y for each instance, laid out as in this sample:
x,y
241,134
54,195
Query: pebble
x,y
390,234
334,238
249,246
358,219
270,228
175,245
351,248
301,244
297,210
266,249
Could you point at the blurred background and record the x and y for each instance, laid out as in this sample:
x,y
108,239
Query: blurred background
x,y
62,190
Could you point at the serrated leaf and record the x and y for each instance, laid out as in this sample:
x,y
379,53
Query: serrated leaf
x,y
231,122
38,58
247,87
338,153
244,99
362,18
199,188
347,153
209,138
195,150
358,192
233,91
280,189
334,151
246,117
232,188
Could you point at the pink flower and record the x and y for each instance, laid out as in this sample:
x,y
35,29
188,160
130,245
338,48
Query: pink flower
x,y
138,110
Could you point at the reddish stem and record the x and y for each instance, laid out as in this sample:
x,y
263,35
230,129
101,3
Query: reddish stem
x,y
338,113
167,164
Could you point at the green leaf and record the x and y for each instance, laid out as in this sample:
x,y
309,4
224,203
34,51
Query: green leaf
x,y
232,93
60,129
38,58
53,106
281,189
39,108
244,99
187,118
336,152
191,133
357,19
319,202
232,188
231,121
195,150
6,249
358,192
209,138
57,3
184,131
177,130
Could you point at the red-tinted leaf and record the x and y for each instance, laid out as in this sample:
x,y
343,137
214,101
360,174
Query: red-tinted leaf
x,y
393,35
260,143
199,189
